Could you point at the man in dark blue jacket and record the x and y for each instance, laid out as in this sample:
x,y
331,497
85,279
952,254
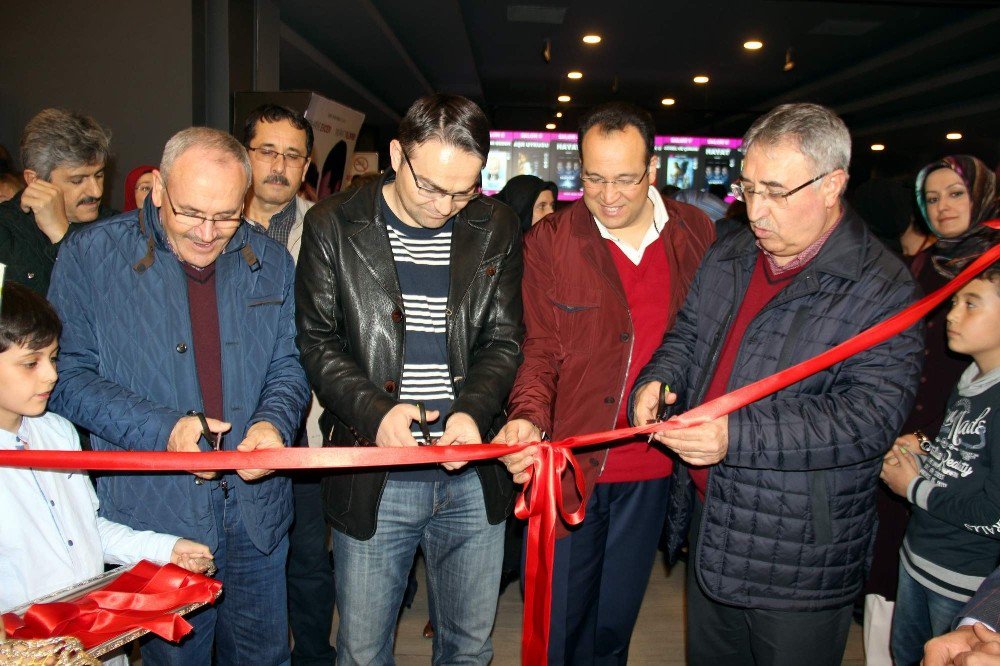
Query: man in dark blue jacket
x,y
783,503
178,335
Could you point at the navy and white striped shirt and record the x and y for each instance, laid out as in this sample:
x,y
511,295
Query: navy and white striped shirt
x,y
423,266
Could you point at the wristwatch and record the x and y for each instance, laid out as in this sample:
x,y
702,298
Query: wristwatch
x,y
922,440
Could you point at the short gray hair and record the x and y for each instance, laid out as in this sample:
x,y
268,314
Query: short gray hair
x,y
205,138
58,137
816,131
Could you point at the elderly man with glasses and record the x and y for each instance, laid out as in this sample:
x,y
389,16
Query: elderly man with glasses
x,y
780,495
179,335
603,280
409,317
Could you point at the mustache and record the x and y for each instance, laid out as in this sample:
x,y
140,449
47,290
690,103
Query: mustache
x,y
88,200
276,179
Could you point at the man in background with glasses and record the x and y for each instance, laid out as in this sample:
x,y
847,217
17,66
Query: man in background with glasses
x,y
603,280
280,142
178,328
780,495
409,306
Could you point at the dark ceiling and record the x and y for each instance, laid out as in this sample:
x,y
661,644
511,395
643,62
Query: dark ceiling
x,y
900,73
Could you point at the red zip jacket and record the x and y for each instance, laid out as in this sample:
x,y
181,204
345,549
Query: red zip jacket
x,y
578,330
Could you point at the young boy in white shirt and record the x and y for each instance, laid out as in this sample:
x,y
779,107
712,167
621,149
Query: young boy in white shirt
x,y
51,535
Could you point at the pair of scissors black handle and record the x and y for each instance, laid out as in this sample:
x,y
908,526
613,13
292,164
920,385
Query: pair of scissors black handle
x,y
424,428
663,410
209,436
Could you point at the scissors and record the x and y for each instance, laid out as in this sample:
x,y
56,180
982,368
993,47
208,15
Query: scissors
x,y
663,410
424,428
215,440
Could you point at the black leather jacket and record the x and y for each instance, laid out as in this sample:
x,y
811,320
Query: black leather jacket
x,y
351,329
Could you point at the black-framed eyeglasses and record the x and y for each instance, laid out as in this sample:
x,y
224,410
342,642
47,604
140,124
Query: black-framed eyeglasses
x,y
779,199
437,193
270,156
192,220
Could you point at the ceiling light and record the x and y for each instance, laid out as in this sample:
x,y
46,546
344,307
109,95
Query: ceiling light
x,y
591,39
878,147
953,136
574,75
789,60
668,101
564,98
550,126
701,79
753,45
558,114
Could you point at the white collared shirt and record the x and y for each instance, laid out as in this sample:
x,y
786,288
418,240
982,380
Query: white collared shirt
x,y
51,536
660,219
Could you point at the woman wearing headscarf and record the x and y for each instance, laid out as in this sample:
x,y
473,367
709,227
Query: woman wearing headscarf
x,y
138,184
954,195
531,198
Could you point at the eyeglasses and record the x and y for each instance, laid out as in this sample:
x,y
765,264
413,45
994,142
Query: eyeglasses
x,y
779,199
438,193
621,184
192,220
270,156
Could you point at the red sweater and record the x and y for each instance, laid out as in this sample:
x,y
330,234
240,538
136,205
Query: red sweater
x,y
646,288
762,288
206,341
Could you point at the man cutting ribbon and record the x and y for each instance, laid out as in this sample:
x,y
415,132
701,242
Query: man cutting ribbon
x,y
783,515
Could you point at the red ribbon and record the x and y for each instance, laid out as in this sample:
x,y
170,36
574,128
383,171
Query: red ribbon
x,y
145,597
541,500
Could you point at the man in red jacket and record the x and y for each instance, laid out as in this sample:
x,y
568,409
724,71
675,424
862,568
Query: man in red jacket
x,y
603,280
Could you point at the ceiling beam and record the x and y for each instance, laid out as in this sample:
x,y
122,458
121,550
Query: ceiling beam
x,y
908,50
401,51
317,56
928,116
951,77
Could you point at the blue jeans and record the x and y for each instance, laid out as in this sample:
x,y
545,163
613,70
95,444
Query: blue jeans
x,y
249,622
463,554
920,615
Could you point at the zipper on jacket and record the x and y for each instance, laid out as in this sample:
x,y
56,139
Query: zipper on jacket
x,y
621,393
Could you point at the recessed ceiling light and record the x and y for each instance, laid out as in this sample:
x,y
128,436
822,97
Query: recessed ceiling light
x,y
564,98
550,126
753,45
953,136
668,101
591,39
878,147
558,114
701,78
574,75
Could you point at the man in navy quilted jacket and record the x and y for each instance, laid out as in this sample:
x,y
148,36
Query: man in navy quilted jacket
x,y
178,335
782,508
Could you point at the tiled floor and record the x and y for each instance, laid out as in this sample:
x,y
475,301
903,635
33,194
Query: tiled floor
x,y
658,637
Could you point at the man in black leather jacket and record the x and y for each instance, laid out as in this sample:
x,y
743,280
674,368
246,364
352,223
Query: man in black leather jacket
x,y
409,290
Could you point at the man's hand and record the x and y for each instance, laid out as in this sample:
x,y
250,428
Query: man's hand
x,y
46,202
899,468
647,401
186,433
394,430
519,431
261,435
192,556
460,429
956,647
704,444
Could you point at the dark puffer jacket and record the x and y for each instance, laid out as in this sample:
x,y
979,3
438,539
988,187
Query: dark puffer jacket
x,y
789,514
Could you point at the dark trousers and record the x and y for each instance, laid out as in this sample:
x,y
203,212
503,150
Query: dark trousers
x,y
723,635
601,571
311,589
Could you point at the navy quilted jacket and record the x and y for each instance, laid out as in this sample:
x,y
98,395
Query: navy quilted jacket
x,y
126,376
789,513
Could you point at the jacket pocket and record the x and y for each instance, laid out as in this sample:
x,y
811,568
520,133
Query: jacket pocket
x,y
820,503
577,313
264,300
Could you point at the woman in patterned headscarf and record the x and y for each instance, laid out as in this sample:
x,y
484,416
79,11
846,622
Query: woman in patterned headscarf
x,y
955,194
